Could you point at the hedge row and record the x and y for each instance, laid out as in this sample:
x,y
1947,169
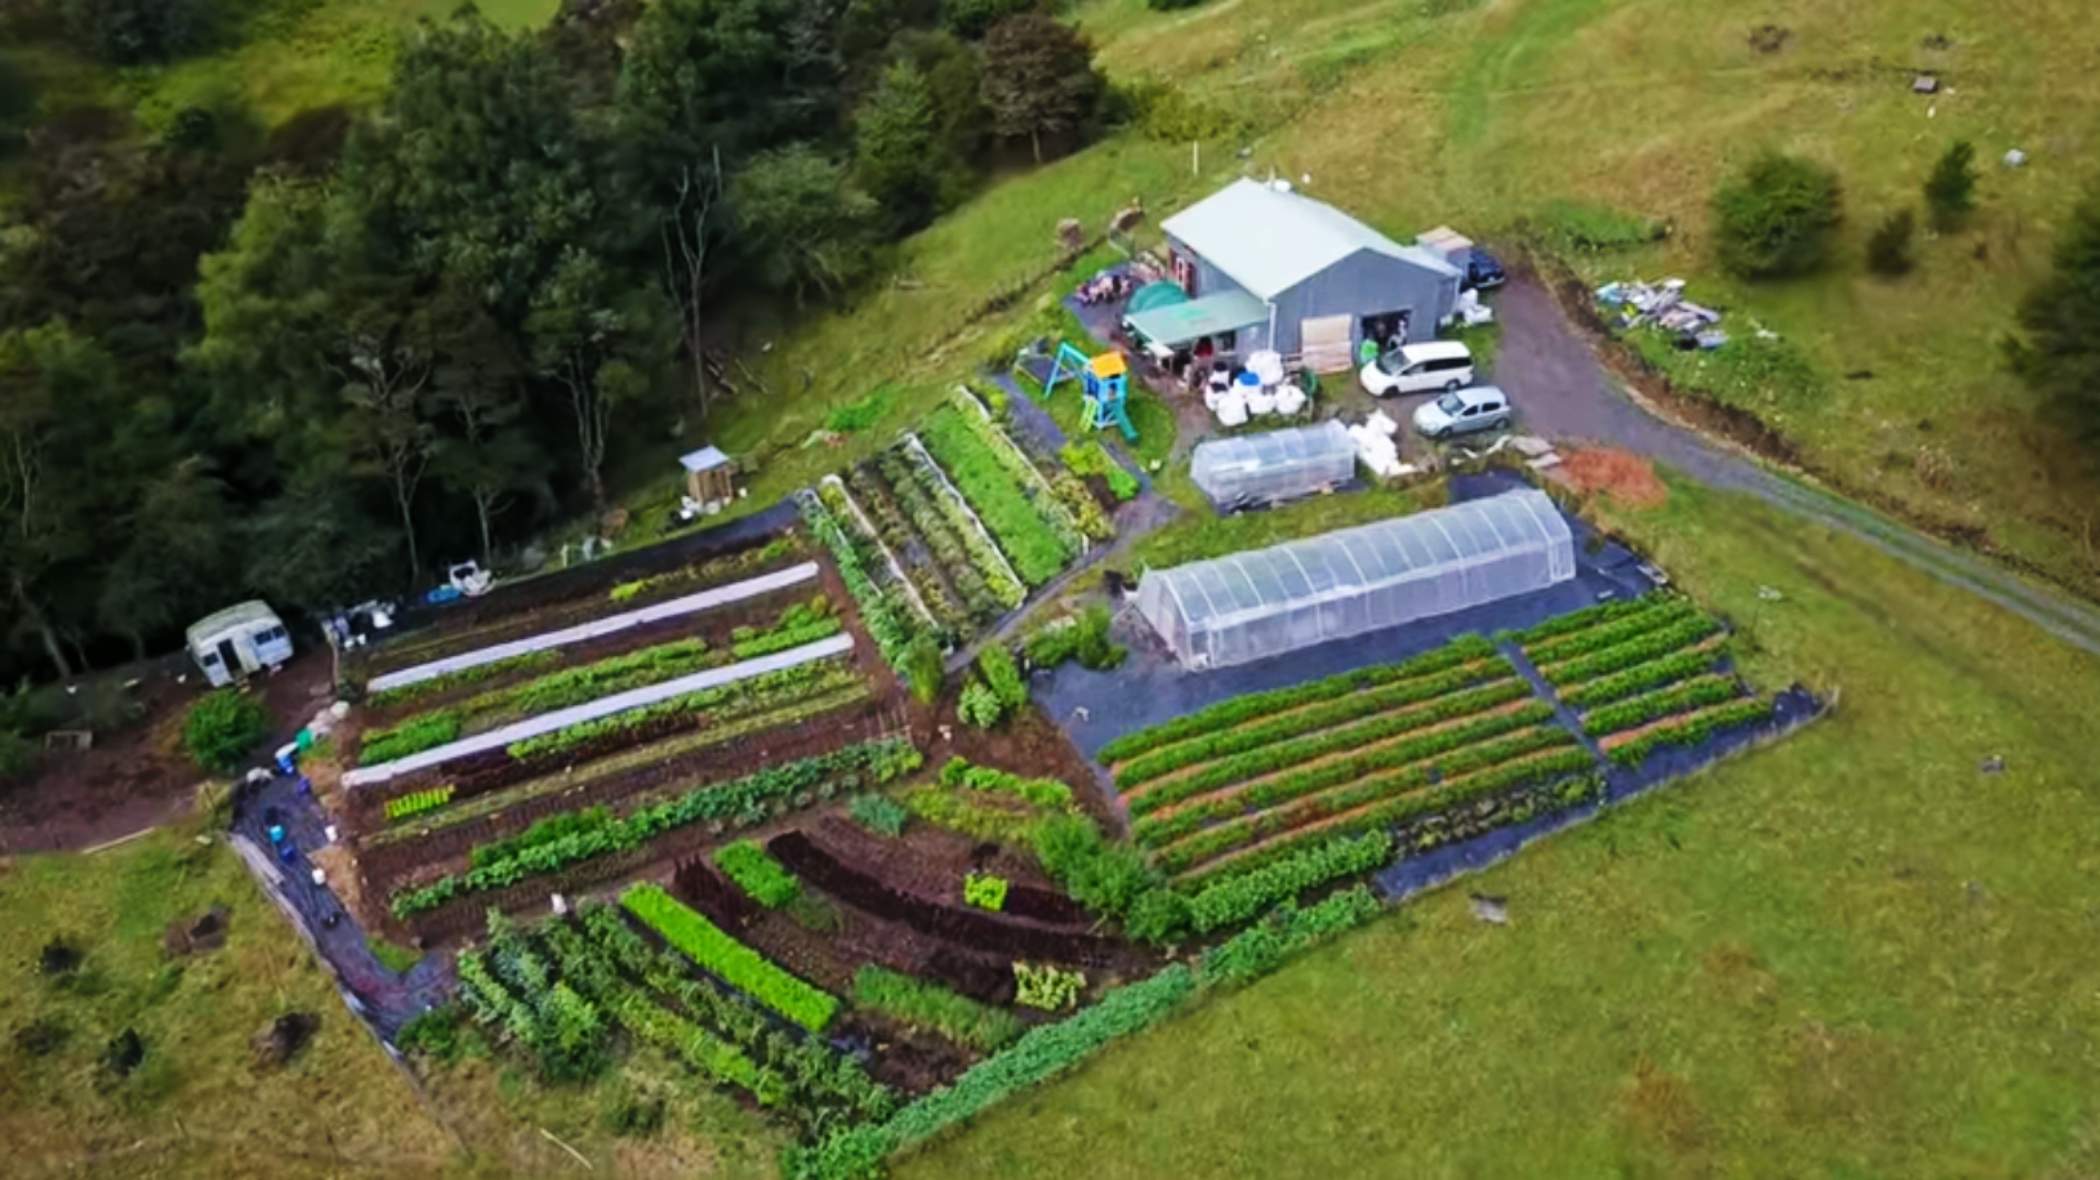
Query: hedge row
x,y
1536,768
745,799
1238,833
729,960
1044,1052
1156,830
1664,702
1661,613
1649,674
1309,719
1228,713
1262,947
1625,655
1691,729
1236,898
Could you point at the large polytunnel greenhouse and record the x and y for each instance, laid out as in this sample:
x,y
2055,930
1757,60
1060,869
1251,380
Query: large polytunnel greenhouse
x,y
1274,465
1265,602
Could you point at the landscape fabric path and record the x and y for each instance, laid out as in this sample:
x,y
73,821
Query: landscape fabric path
x,y
618,702
1562,391
599,628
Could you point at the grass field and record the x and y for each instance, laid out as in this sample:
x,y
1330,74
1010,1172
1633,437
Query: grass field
x,y
1854,948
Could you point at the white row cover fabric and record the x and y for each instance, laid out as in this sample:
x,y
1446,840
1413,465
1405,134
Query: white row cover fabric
x,y
1265,602
1274,465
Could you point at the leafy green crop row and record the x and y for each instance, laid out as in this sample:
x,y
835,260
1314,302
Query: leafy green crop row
x,y
1300,800
1025,474
1309,719
1661,613
1691,729
734,963
1023,528
914,1001
1663,702
425,731
744,800
545,657
942,564
766,880
1229,713
888,620
765,684
1408,805
1262,947
942,520
1239,896
1666,669
1038,792
1268,759
417,802
1637,650
1589,616
1156,830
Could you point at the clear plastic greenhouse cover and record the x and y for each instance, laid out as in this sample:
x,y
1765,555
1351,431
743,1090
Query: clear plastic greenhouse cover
x,y
1265,602
1274,465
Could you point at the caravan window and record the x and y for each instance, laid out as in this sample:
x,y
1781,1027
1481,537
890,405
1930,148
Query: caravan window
x,y
208,658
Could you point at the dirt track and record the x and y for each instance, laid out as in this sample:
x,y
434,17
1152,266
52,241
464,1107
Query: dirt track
x,y
1564,392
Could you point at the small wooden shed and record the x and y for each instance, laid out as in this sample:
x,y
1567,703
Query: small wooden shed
x,y
709,476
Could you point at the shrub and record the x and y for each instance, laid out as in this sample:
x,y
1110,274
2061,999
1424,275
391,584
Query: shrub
x,y
1047,987
1090,457
1776,216
1003,676
17,755
1159,916
915,1001
1888,250
1106,878
1950,192
985,891
979,706
434,1032
879,814
1082,637
765,879
223,726
922,668
734,963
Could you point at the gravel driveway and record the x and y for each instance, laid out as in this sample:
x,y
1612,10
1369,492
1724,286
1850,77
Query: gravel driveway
x,y
1563,392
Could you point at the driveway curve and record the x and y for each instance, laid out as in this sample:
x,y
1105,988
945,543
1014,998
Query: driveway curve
x,y
1565,392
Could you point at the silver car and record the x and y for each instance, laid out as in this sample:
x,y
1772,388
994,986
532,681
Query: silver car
x,y
1463,411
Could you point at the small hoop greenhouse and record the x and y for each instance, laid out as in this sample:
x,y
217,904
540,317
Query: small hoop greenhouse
x,y
1264,602
1274,465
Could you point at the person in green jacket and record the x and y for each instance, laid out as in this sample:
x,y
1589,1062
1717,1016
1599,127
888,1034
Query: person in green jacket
x,y
1367,351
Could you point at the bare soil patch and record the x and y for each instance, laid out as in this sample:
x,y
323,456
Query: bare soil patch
x,y
1627,478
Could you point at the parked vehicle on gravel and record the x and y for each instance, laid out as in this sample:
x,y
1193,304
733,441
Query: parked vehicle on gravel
x,y
1463,411
1419,368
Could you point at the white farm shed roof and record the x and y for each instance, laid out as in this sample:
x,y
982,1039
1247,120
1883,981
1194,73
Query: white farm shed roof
x,y
1269,239
1266,602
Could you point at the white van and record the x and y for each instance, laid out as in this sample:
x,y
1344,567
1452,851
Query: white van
x,y
1419,368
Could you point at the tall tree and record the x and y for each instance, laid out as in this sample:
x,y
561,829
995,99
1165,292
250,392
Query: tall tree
x,y
687,230
51,386
1039,79
176,556
2060,322
898,153
596,339
805,225
479,384
387,353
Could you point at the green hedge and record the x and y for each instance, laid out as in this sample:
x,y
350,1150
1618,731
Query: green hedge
x,y
1041,1054
767,880
1261,948
1236,898
1228,713
734,963
915,1001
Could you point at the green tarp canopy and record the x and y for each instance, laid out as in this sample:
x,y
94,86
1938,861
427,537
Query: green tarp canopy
x,y
1152,295
1178,323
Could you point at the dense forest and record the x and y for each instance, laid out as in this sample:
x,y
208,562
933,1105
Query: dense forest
x,y
310,361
